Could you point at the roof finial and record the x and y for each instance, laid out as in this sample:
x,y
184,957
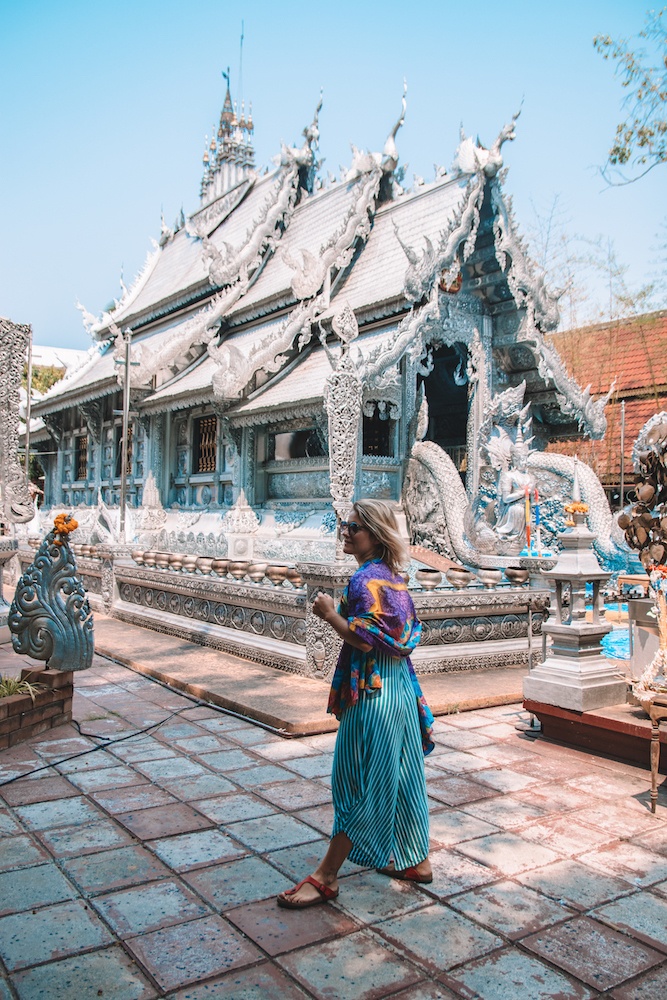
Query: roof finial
x,y
390,152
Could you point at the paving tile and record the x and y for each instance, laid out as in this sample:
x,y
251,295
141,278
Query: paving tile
x,y
426,990
438,938
72,841
598,955
176,730
163,821
191,952
257,777
92,761
455,762
4,990
467,720
114,869
610,786
565,835
203,744
271,832
627,820
548,768
325,742
80,977
248,735
650,986
510,909
128,798
59,812
454,873
457,791
149,907
228,809
285,750
143,748
297,862
277,930
553,797
170,767
21,852
458,740
227,760
228,724
53,932
108,777
504,779
354,967
321,818
653,839
193,850
641,915
8,825
318,766
238,882
263,982
451,826
505,811
299,794
575,884
38,886
26,792
509,974
198,787
65,747
507,852
369,896
629,861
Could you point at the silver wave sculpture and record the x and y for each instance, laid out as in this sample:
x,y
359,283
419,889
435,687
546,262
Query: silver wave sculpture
x,y
50,618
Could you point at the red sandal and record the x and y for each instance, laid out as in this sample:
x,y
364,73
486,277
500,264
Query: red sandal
x,y
325,895
406,875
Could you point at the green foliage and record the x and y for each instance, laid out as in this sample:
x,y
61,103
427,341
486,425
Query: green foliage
x,y
641,138
43,377
12,685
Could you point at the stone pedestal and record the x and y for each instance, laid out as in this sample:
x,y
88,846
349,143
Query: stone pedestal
x,y
575,675
322,643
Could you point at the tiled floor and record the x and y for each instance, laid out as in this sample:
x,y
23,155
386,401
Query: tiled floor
x,y
149,867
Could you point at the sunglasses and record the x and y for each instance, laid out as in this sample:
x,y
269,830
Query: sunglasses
x,y
351,527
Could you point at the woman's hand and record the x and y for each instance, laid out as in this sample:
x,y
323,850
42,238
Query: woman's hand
x,y
323,606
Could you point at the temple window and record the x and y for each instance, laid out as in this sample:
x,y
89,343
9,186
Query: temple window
x,y
379,436
205,444
81,457
302,443
119,449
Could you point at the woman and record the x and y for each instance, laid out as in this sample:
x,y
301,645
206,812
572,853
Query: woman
x,y
378,785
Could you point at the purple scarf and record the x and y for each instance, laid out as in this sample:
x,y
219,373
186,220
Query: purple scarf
x,y
380,612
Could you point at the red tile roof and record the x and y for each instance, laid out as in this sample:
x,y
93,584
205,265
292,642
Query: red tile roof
x,y
634,352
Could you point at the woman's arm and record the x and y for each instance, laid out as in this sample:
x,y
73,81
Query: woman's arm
x,y
324,608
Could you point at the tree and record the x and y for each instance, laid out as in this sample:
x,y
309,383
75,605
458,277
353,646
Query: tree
x,y
641,139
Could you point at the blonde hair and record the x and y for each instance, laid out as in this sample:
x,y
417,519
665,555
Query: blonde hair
x,y
378,516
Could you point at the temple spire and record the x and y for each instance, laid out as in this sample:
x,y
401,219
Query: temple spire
x,y
230,157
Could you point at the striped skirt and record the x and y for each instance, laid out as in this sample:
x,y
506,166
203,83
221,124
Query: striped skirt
x,y
378,784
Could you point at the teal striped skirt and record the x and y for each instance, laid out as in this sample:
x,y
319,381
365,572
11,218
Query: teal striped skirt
x,y
378,783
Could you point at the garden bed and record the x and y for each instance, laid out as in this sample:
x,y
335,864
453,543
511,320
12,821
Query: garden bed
x,y
23,716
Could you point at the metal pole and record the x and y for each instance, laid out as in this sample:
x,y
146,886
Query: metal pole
x,y
127,336
622,505
28,408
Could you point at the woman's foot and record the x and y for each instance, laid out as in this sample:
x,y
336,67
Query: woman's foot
x,y
422,872
315,889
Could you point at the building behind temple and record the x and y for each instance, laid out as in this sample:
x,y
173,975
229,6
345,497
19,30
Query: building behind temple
x,y
238,317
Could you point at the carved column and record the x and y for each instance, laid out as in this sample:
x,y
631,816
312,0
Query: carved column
x,y
343,395
16,505
322,643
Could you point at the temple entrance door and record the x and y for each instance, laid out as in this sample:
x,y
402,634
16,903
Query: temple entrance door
x,y
447,397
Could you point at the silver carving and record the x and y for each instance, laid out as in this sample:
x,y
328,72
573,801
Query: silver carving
x,y
50,618
16,503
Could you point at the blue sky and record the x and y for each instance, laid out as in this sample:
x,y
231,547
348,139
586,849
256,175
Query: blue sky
x,y
104,107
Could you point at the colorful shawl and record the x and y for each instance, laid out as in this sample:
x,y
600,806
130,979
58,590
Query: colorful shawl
x,y
380,612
